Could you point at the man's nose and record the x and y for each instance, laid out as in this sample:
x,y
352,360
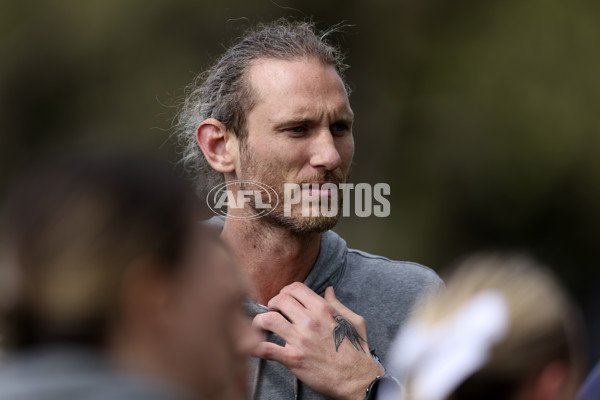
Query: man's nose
x,y
324,151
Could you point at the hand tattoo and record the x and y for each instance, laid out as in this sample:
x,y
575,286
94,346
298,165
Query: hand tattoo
x,y
345,329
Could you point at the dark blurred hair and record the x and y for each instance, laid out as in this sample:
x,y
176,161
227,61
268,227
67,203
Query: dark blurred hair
x,y
223,92
71,228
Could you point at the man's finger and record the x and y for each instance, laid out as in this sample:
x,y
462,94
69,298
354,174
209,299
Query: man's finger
x,y
288,306
273,321
270,351
308,298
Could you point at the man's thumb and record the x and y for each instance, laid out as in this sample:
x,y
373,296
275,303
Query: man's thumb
x,y
356,319
331,299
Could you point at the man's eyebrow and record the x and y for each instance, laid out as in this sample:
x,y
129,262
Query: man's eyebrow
x,y
296,121
292,122
347,119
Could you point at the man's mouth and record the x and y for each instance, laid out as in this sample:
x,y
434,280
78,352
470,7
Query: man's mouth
x,y
320,189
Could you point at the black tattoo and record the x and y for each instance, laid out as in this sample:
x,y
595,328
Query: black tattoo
x,y
345,329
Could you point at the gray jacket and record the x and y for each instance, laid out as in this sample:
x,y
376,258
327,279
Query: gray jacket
x,y
382,291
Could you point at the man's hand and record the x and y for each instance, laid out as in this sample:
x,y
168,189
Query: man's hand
x,y
326,343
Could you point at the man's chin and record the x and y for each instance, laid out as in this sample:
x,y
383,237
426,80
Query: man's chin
x,y
304,225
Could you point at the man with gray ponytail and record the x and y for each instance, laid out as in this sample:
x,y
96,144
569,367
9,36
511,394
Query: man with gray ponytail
x,y
274,111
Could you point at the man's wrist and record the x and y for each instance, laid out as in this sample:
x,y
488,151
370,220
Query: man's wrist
x,y
360,385
386,383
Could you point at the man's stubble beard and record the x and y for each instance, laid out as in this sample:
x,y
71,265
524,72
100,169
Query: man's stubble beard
x,y
267,173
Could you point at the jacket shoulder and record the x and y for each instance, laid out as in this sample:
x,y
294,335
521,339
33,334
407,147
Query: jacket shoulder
x,y
381,269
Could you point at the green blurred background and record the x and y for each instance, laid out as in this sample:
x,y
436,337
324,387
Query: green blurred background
x,y
482,115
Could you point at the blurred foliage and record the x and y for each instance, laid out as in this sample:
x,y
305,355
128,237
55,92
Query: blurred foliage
x,y
481,115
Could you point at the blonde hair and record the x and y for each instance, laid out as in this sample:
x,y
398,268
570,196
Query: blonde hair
x,y
543,326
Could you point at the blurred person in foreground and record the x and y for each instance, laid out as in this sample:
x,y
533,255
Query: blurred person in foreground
x,y
275,110
504,329
110,289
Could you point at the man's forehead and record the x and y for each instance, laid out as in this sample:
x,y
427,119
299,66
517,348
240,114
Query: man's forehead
x,y
298,73
299,84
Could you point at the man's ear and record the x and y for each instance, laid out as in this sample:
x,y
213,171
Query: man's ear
x,y
212,137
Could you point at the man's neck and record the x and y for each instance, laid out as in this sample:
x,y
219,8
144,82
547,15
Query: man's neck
x,y
272,256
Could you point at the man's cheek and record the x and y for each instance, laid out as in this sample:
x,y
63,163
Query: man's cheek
x,y
348,154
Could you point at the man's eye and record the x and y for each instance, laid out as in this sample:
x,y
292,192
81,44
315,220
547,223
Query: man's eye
x,y
296,129
339,128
